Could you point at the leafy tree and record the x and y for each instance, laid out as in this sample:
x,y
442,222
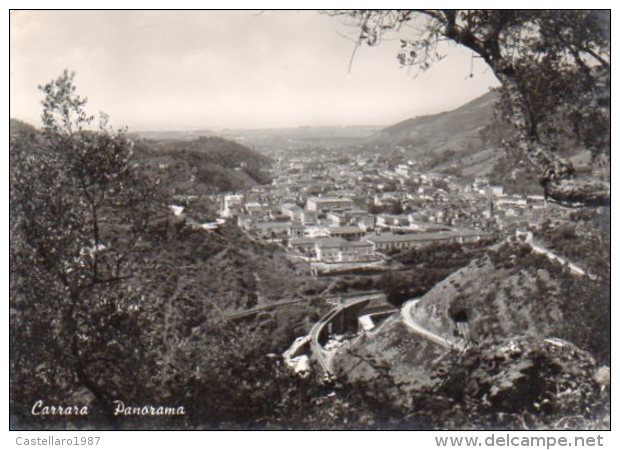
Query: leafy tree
x,y
552,66
108,302
80,209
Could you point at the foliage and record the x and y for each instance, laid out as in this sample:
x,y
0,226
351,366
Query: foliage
x,y
550,299
80,211
428,266
553,67
204,165
113,298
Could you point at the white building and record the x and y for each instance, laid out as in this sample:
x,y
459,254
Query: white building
x,y
341,250
328,203
496,191
232,204
293,211
387,242
403,170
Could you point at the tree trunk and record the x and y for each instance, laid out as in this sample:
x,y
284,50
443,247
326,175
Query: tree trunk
x,y
557,173
102,398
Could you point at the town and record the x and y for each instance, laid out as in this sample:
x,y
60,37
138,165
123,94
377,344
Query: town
x,y
270,225
340,212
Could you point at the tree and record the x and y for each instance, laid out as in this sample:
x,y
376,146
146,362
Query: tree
x,y
550,64
106,305
80,209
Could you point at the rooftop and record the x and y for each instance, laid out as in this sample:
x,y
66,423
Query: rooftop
x,y
340,243
346,229
330,242
273,224
329,199
302,241
424,236
291,206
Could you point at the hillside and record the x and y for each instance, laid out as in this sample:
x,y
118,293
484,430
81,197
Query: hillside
x,y
466,141
405,357
164,320
204,165
515,291
421,131
540,343
17,129
505,290
222,273
447,138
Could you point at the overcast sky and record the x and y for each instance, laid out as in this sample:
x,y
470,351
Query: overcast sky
x,y
204,69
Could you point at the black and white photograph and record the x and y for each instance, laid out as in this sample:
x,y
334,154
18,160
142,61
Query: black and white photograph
x,y
385,219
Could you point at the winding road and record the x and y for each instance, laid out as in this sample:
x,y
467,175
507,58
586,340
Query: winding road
x,y
574,268
408,307
406,313
325,357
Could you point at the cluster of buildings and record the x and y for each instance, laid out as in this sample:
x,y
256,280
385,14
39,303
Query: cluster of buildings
x,y
335,229
334,208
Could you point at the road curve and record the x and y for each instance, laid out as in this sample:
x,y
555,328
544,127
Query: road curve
x,y
574,268
406,313
324,357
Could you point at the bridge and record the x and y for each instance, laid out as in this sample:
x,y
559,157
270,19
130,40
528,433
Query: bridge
x,y
341,319
251,313
344,318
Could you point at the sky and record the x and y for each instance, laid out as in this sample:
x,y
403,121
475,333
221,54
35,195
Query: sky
x,y
182,70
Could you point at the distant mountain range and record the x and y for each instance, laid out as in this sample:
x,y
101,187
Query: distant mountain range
x,y
328,137
301,132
